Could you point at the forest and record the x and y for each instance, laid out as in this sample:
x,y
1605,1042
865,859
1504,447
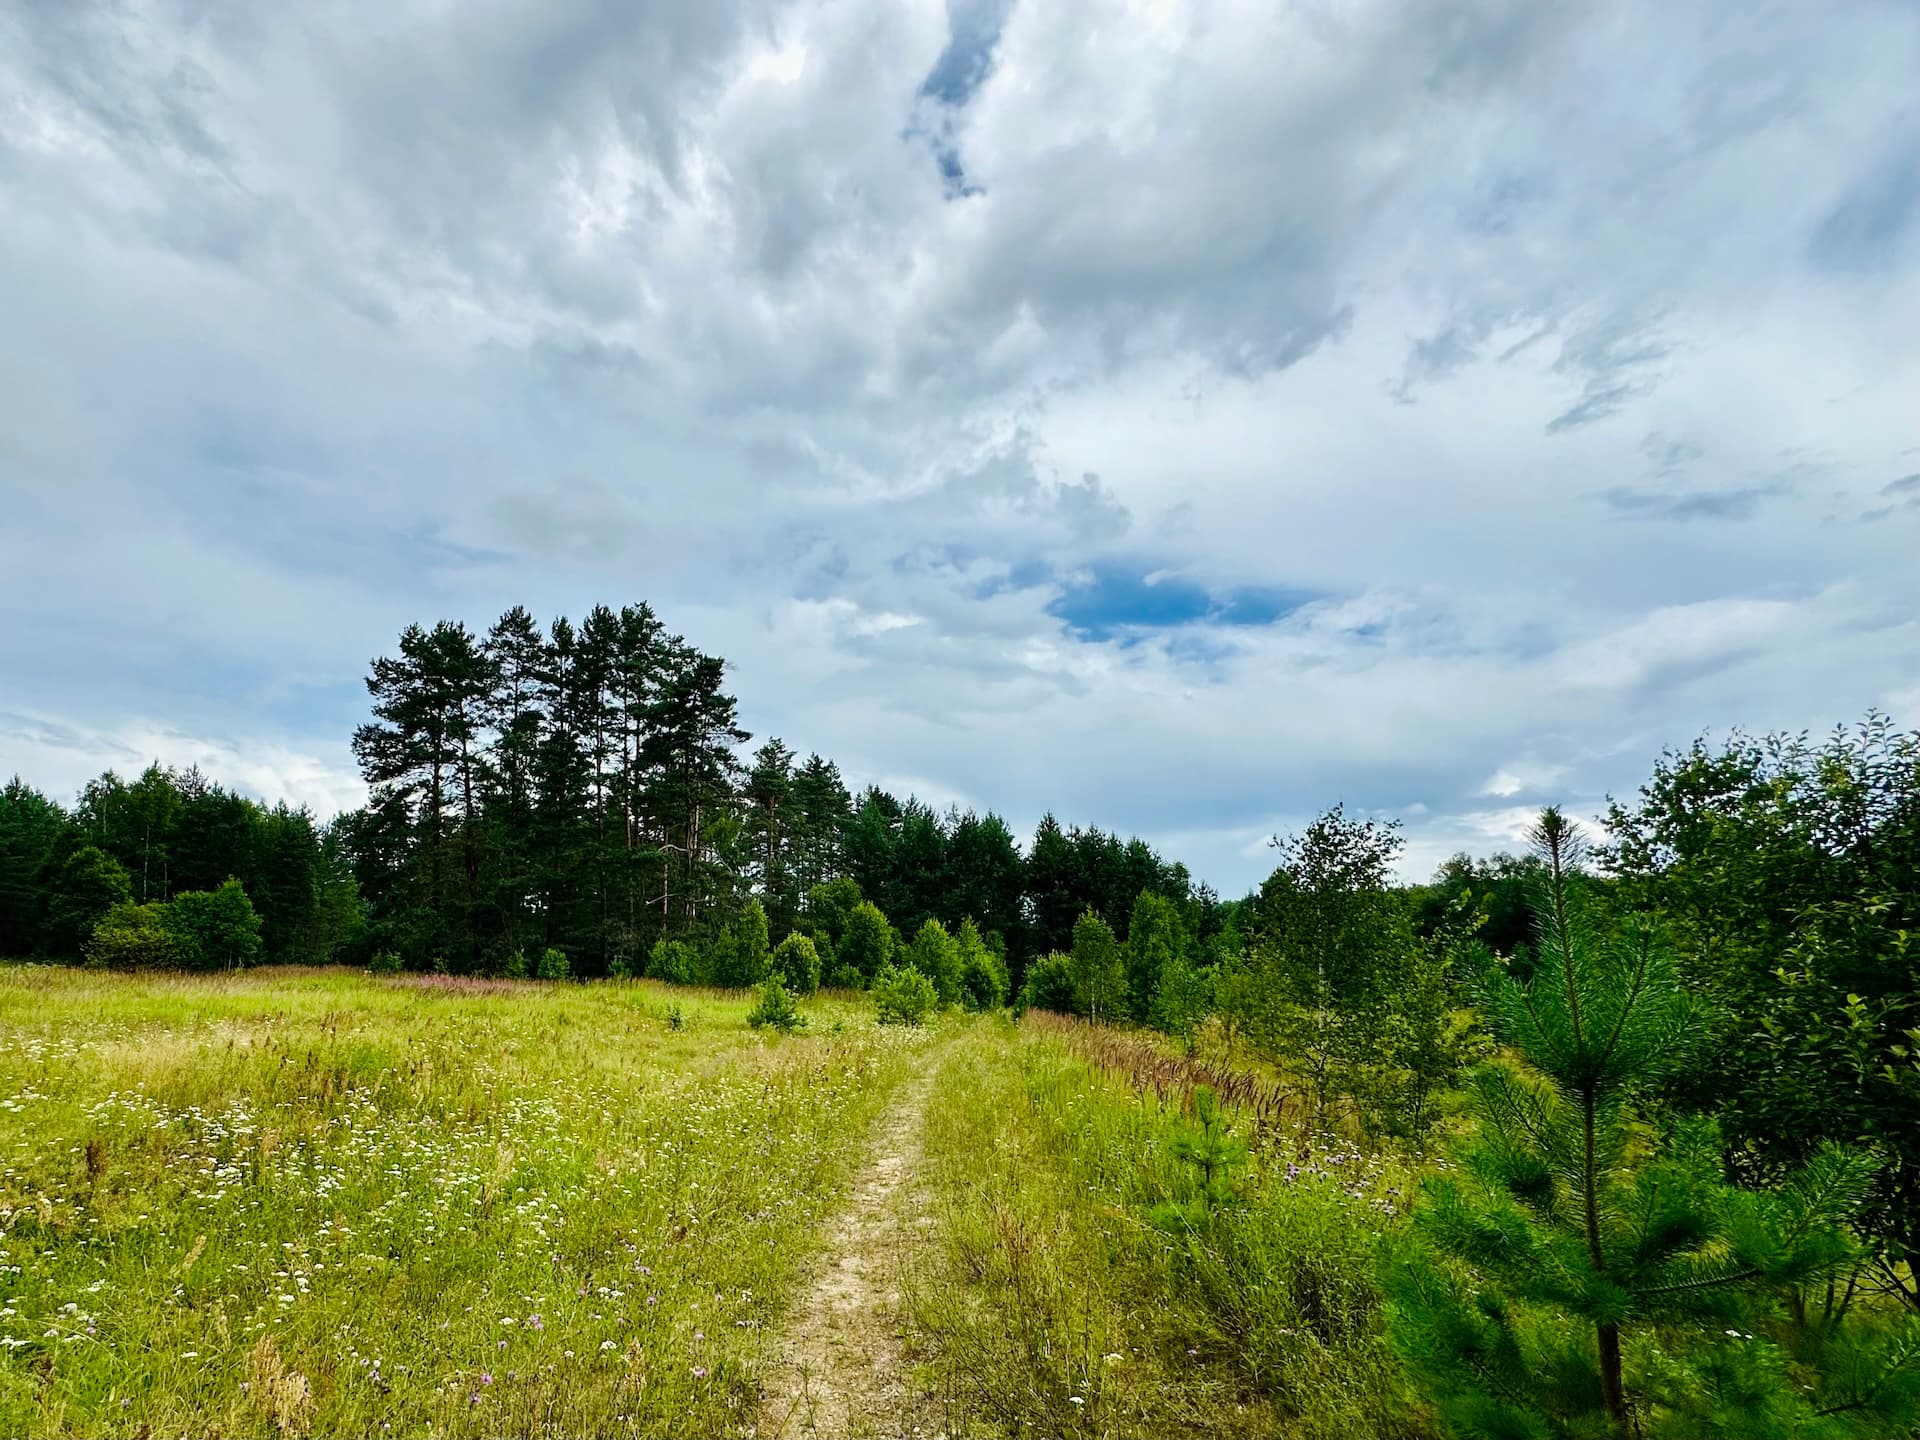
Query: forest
x,y
1633,1119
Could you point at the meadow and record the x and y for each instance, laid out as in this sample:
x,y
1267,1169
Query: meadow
x,y
331,1204
321,1202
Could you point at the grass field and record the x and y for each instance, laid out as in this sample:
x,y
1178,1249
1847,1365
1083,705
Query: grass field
x,y
324,1203
327,1203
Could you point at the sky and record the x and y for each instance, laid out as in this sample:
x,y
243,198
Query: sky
x,y
1180,417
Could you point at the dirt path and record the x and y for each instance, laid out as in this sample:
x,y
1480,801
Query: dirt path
x,y
842,1370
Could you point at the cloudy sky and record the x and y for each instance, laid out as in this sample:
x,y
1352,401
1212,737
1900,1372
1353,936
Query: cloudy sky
x,y
1181,416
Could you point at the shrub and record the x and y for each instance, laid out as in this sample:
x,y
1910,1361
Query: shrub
x,y
514,967
676,1017
214,929
867,944
845,977
935,956
673,961
1180,999
903,996
775,1008
983,974
1049,984
134,937
553,964
385,962
619,968
796,964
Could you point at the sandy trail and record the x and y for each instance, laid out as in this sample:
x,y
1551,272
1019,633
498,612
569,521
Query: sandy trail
x,y
842,1370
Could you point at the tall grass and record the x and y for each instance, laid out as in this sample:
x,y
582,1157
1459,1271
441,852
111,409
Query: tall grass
x,y
323,1203
1086,1280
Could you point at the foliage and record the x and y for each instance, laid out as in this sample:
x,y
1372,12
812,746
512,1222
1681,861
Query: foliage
x,y
828,907
89,883
1049,985
983,972
935,956
796,964
674,961
1335,984
775,1009
1156,940
903,996
1789,875
1203,1140
1181,998
387,962
552,964
214,929
845,977
514,965
1099,970
32,828
867,944
135,937
1582,1275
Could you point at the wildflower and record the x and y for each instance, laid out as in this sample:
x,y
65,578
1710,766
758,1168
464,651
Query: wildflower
x,y
486,1377
699,1372
1075,1400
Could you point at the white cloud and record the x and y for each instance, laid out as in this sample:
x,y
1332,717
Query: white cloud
x,y
1520,341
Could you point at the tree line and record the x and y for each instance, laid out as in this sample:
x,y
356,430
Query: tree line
x,y
190,873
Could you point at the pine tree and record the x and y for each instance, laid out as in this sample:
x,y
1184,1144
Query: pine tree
x,y
1582,1275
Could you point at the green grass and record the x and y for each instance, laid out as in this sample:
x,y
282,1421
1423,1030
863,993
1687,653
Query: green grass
x,y
333,1204
1081,1284
317,1202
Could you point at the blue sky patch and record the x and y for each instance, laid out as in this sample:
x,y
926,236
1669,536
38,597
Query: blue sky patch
x,y
1114,600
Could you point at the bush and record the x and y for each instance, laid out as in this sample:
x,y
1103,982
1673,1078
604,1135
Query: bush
x,y
1049,984
553,964
134,937
935,956
214,929
673,961
796,964
845,977
867,944
514,967
386,962
619,968
775,1008
983,974
903,996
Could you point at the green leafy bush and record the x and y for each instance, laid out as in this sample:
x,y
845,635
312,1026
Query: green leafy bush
x,y
552,964
867,944
983,973
1049,984
214,929
796,964
384,962
514,966
903,996
845,977
776,1009
134,937
935,956
673,961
